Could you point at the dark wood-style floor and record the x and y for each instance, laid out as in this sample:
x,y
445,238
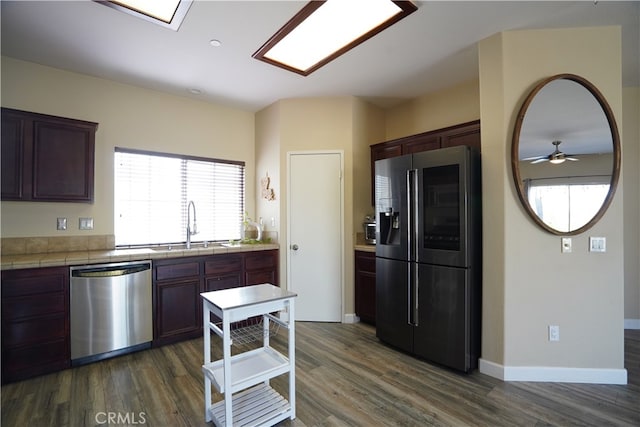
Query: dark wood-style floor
x,y
344,377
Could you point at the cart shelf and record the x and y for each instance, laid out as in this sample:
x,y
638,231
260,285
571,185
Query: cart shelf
x,y
254,407
247,369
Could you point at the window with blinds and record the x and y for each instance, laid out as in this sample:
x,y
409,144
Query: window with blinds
x,y
567,203
153,191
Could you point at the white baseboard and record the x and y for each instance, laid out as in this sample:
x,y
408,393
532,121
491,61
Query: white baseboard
x,y
632,323
553,374
350,318
492,369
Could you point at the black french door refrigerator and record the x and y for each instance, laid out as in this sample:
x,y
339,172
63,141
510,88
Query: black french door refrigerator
x,y
428,255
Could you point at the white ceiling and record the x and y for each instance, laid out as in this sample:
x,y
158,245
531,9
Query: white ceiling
x,y
431,49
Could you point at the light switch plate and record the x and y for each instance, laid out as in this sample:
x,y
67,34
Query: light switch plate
x,y
597,244
566,245
61,224
86,224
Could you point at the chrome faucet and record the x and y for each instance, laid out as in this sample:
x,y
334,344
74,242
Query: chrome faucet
x,y
194,230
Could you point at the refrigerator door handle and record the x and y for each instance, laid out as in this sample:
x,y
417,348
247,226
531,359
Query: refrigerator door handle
x,y
412,246
409,215
416,287
412,209
412,292
410,295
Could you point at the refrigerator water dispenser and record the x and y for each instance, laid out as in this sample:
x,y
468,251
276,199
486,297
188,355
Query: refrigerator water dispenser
x,y
389,228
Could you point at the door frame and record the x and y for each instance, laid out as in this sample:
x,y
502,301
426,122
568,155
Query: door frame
x,y
290,154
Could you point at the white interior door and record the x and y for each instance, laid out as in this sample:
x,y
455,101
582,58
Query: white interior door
x,y
315,236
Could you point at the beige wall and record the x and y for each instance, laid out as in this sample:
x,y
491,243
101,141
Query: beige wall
x,y
631,175
368,129
304,128
128,117
452,106
267,140
301,125
495,181
523,291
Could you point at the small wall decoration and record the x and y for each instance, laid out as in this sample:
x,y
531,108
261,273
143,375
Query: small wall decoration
x,y
267,193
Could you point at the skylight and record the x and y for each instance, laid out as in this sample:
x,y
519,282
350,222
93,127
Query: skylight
x,y
324,30
167,13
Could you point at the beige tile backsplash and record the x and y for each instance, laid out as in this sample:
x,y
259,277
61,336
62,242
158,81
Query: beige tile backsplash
x,y
39,245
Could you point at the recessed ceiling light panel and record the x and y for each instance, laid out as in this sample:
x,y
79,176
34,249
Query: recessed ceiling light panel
x,y
166,13
325,29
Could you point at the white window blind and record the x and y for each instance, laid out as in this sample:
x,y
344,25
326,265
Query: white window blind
x,y
567,203
153,191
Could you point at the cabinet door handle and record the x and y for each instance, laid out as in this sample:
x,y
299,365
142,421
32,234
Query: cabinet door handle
x,y
294,247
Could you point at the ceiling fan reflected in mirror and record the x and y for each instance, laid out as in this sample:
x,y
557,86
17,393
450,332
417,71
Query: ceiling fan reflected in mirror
x,y
556,157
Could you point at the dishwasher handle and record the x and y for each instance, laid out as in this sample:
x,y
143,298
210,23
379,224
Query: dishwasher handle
x,y
112,271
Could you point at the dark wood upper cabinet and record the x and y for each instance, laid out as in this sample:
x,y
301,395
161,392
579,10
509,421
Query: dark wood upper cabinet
x,y
386,150
462,134
47,158
421,143
12,155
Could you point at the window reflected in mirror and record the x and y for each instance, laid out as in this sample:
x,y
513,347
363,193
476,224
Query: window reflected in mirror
x,y
566,207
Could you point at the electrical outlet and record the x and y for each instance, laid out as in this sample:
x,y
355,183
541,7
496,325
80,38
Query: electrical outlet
x,y
554,333
61,224
85,224
566,245
597,244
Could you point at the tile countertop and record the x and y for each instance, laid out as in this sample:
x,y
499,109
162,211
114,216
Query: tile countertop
x,y
57,259
365,248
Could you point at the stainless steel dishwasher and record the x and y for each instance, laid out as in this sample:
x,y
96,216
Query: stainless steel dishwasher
x,y
111,310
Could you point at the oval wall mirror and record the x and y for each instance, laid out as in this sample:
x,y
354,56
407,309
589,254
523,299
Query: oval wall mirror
x,y
565,154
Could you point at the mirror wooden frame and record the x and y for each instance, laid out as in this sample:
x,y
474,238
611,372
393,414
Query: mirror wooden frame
x,y
515,159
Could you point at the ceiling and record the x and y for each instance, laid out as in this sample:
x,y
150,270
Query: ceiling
x,y
566,111
434,48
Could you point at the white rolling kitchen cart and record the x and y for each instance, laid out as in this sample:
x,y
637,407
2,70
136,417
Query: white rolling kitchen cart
x,y
243,378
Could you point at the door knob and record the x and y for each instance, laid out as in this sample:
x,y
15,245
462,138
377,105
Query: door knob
x,y
294,247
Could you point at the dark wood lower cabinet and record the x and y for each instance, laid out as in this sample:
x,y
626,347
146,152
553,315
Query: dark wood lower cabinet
x,y
35,306
261,268
179,282
35,322
365,286
178,316
177,288
223,272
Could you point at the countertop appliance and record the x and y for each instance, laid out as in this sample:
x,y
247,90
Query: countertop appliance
x,y
369,226
428,255
111,310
